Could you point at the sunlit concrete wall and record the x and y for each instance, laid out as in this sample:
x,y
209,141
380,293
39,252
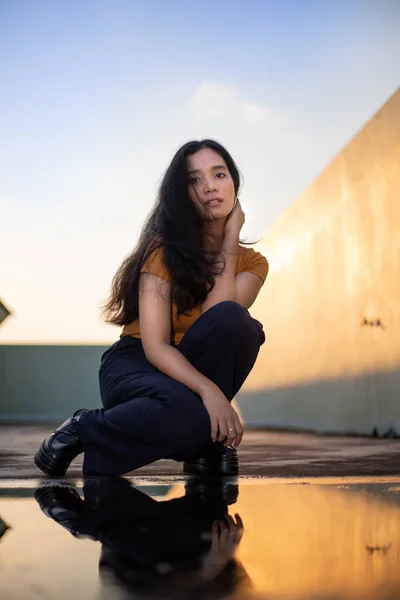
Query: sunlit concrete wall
x,y
331,304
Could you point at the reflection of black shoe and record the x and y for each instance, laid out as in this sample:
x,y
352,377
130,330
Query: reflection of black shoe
x,y
61,447
213,492
62,504
225,461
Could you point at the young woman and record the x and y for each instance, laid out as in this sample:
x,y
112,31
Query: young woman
x,y
188,341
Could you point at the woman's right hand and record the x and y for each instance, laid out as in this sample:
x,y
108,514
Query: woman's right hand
x,y
226,535
225,422
235,220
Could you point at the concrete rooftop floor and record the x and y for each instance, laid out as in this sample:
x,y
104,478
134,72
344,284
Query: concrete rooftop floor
x,y
337,538
262,454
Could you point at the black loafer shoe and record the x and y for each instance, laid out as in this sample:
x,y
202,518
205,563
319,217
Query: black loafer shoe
x,y
62,504
224,462
61,447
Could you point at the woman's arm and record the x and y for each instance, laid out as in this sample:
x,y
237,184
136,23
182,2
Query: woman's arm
x,y
248,286
242,288
225,287
155,331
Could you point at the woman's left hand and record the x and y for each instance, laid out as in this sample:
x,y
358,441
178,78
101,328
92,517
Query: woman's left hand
x,y
235,220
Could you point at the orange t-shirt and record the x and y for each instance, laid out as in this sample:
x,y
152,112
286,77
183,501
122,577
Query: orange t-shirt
x,y
248,260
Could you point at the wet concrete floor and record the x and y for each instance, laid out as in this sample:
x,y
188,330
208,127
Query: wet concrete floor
x,y
261,453
120,538
312,517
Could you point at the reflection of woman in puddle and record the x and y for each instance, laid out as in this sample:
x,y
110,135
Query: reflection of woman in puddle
x,y
155,548
188,341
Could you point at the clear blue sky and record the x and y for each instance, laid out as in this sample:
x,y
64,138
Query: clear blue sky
x,y
96,96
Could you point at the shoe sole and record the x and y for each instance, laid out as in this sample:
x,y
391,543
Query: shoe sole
x,y
230,465
47,465
44,497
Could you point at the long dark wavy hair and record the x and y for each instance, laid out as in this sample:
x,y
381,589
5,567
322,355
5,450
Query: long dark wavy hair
x,y
176,225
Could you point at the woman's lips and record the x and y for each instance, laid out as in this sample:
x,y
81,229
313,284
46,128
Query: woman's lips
x,y
213,201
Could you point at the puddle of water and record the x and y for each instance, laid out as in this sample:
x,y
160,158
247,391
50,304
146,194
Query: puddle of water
x,y
275,541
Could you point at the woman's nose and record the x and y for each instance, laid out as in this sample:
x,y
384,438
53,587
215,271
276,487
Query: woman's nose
x,y
210,185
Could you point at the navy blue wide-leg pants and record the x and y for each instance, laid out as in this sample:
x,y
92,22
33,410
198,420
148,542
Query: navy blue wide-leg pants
x,y
148,415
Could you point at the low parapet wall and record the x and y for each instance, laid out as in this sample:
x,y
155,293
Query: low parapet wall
x,y
47,383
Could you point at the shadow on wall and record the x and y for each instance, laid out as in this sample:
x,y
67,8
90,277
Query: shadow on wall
x,y
47,383
365,404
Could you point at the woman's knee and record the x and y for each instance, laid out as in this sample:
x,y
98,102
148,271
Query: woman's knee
x,y
115,390
231,318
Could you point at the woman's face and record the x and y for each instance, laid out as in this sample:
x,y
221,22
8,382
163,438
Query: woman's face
x,y
211,186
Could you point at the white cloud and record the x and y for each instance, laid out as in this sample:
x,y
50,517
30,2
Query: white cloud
x,y
212,100
257,113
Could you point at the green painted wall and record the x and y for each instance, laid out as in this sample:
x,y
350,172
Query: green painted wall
x,y
47,382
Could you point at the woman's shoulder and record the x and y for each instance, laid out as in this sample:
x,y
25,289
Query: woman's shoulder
x,y
252,261
155,263
247,252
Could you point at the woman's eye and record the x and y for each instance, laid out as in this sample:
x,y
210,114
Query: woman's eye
x,y
194,179
222,174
